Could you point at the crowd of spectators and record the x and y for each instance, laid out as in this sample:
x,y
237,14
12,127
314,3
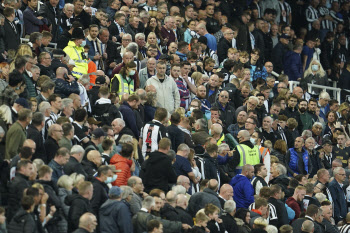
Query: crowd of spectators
x,y
174,116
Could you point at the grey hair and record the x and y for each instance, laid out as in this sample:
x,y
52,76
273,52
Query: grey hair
x,y
307,226
202,123
310,138
271,229
43,106
132,47
222,147
179,189
306,134
76,149
125,138
317,124
230,206
183,147
171,154
66,102
148,202
35,67
282,170
324,95
337,170
127,191
254,98
84,79
120,121
167,18
68,5
140,35
125,35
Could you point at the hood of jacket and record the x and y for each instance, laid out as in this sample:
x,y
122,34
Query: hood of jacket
x,y
239,222
237,179
103,101
120,159
109,206
157,157
69,199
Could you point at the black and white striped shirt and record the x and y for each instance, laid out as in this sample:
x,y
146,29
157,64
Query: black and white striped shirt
x,y
311,15
345,228
325,24
286,10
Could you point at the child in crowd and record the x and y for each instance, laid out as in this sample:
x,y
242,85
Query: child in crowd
x,y
215,223
201,222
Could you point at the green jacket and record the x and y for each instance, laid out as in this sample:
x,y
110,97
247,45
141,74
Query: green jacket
x,y
30,85
15,138
306,118
65,142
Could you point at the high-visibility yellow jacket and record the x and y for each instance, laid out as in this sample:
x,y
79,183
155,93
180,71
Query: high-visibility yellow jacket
x,y
75,53
248,155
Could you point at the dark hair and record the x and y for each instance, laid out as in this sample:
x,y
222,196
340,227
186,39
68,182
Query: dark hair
x,y
67,128
257,168
38,118
20,62
242,214
26,152
128,65
27,202
175,118
52,98
197,114
80,115
15,78
31,191
127,150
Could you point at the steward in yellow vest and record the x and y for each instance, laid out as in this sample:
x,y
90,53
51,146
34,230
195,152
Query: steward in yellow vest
x,y
123,82
75,50
246,152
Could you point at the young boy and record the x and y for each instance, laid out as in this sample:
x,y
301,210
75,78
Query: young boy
x,y
2,220
215,223
201,222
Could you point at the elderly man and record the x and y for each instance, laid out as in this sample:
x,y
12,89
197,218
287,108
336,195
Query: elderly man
x,y
323,102
55,134
337,192
44,60
119,129
137,196
167,30
226,193
245,148
147,72
297,159
252,103
226,110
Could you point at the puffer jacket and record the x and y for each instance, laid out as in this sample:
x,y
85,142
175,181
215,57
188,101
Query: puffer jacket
x,y
105,111
123,164
78,206
22,222
64,88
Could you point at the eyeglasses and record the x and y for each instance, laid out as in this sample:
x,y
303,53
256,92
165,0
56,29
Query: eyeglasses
x,y
224,96
250,122
194,106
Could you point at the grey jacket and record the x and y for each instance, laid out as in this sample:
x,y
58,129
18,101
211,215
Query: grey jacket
x,y
143,76
200,199
135,203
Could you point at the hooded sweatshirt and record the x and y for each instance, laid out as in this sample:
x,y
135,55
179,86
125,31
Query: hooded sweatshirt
x,y
243,190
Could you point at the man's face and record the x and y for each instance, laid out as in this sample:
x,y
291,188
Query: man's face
x,y
185,70
249,124
158,204
104,37
267,123
78,7
210,10
250,173
335,107
171,23
301,195
57,104
228,35
161,69
266,93
317,130
255,56
126,41
261,100
93,32
263,172
151,64
28,170
127,58
135,22
328,148
172,48
269,67
292,102
175,71
213,81
45,41
121,21
341,176
69,11
252,104
312,106
245,92
189,13
64,159
327,213
209,66
134,12
310,144
46,60
298,143
323,102
152,52
271,83
69,110
140,41
223,98
215,115
58,133
201,92
242,117
341,140
275,110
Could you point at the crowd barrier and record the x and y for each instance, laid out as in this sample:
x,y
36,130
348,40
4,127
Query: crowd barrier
x,y
51,45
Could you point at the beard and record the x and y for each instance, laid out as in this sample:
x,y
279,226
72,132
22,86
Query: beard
x,y
302,110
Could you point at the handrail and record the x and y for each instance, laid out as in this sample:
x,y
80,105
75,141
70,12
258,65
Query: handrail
x,y
325,88
293,84
54,45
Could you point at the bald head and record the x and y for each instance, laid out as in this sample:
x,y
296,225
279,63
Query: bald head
x,y
171,198
213,184
60,72
31,144
216,129
248,171
88,222
95,157
308,226
226,191
243,135
181,201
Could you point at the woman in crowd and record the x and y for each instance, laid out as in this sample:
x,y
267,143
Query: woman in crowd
x,y
242,218
332,119
190,31
153,40
280,150
315,74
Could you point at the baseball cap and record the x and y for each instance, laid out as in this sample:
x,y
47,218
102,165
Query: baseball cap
x,y
98,133
329,142
92,120
100,80
23,102
284,36
115,191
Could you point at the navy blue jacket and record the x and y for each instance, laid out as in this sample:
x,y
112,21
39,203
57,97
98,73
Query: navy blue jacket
x,y
338,195
64,88
293,66
176,136
129,118
243,191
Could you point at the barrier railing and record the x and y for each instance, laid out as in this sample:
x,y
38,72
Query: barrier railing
x,y
52,45
325,88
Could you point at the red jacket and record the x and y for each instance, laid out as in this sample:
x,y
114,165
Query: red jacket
x,y
123,164
292,203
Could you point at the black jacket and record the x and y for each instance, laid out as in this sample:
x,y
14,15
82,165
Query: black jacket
x,y
36,135
51,14
278,215
47,71
282,180
157,172
93,94
90,168
99,196
277,57
105,113
185,217
126,131
210,167
114,31
223,47
63,39
55,63
64,88
176,136
227,114
243,38
299,222
74,166
259,41
22,222
78,206
84,18
170,213
112,55
213,25
10,37
229,223
51,147
16,189
326,54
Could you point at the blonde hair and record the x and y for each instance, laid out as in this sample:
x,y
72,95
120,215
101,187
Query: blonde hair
x,y
232,50
5,114
65,182
320,71
76,178
196,76
147,44
23,49
38,186
181,111
38,163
